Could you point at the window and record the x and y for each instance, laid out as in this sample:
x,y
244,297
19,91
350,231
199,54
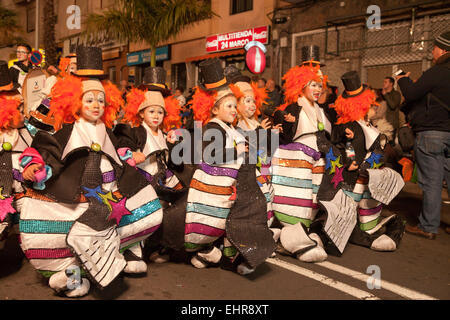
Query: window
x,y
238,6
31,19
112,74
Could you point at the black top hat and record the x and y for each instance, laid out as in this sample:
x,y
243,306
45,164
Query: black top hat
x,y
233,74
311,55
155,80
352,84
6,83
211,75
90,62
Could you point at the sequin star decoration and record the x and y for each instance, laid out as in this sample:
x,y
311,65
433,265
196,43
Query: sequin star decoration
x,y
93,193
337,177
335,163
118,210
374,159
329,156
105,197
1,196
6,207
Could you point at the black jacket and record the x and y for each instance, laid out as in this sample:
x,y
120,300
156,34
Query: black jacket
x,y
65,183
14,73
423,112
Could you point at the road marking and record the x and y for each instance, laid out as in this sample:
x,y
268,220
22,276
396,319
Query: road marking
x,y
355,292
386,285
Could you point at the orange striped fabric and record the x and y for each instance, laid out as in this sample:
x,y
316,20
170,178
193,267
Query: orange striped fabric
x,y
210,188
293,163
320,169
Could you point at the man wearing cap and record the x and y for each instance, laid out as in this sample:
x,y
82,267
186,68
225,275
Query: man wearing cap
x,y
428,112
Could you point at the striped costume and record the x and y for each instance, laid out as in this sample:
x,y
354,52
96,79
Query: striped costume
x,y
212,198
50,216
297,166
12,143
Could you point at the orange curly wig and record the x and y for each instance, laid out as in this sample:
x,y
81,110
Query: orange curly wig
x,y
63,65
172,118
10,116
354,108
202,103
296,80
65,105
134,99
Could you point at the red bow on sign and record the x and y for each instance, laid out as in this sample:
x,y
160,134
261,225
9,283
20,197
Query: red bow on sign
x,y
255,57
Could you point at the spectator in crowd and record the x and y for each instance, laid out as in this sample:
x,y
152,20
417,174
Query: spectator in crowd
x,y
326,99
275,98
124,88
261,83
427,109
20,68
378,116
179,96
393,99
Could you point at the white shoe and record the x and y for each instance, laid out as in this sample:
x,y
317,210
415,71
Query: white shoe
x,y
58,281
316,254
80,291
243,269
383,243
197,263
212,256
135,267
157,258
315,237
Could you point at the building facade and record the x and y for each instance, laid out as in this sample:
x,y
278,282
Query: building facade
x,y
349,37
223,36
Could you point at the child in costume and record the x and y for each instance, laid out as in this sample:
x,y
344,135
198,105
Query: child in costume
x,y
14,139
354,164
259,135
225,204
298,165
87,209
143,144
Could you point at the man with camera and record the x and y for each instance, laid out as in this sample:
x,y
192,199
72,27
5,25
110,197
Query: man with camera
x,y
428,112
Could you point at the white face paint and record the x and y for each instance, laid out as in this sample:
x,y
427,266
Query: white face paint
x,y
247,105
312,91
153,116
93,105
226,111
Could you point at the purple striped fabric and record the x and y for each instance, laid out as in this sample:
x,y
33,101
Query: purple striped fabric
x,y
109,176
218,171
147,175
297,146
140,234
369,212
169,173
203,229
48,253
17,175
295,202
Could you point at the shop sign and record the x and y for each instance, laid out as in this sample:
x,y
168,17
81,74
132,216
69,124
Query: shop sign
x,y
144,56
236,40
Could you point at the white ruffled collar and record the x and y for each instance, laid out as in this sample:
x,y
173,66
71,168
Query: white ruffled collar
x,y
85,133
153,143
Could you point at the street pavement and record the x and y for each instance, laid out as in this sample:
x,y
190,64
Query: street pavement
x,y
419,269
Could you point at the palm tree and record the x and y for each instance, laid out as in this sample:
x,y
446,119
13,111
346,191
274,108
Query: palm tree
x,y
151,21
51,53
9,28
